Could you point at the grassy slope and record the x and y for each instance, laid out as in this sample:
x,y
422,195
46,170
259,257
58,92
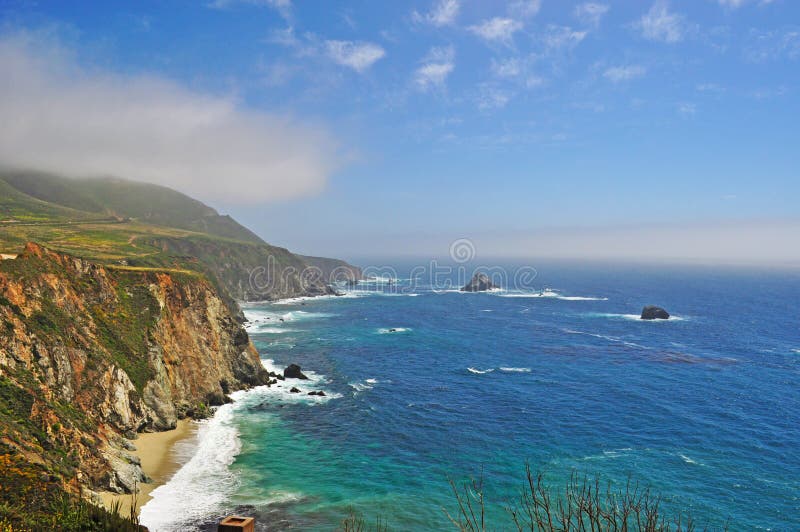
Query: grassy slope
x,y
152,204
124,223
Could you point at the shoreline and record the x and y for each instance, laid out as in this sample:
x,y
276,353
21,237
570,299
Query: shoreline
x,y
156,451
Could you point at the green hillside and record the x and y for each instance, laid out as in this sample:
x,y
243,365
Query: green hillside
x,y
136,225
152,204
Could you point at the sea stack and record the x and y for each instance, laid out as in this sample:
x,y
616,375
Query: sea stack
x,y
292,371
652,312
479,283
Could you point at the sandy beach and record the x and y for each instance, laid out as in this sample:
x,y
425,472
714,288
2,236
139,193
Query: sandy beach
x,y
155,450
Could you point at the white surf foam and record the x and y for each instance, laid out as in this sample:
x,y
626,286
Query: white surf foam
x,y
480,371
362,386
394,330
204,484
265,321
201,486
515,370
687,459
638,317
270,330
551,294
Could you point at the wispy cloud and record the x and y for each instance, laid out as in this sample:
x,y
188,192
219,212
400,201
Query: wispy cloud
x,y
436,67
490,97
357,55
151,129
524,8
660,24
284,7
736,4
686,108
562,37
497,30
506,68
619,74
443,13
591,13
764,46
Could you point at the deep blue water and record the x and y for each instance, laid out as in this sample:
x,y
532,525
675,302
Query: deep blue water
x,y
703,408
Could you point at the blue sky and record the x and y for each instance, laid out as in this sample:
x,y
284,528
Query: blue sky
x,y
432,120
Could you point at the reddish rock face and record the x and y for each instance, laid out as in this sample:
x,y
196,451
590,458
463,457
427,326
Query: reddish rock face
x,y
105,351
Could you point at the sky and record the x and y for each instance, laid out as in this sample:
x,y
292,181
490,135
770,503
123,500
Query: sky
x,y
661,130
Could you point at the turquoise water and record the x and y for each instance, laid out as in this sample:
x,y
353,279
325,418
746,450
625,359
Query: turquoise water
x,y
702,408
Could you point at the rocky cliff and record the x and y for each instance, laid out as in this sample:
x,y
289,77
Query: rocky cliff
x,y
90,354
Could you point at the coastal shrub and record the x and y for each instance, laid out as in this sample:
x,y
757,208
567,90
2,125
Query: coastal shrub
x,y
582,504
355,522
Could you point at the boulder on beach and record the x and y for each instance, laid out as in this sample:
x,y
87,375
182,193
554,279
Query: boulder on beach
x,y
292,371
651,312
480,283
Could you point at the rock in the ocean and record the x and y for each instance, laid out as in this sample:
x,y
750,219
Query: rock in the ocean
x,y
479,283
652,312
294,390
319,393
292,371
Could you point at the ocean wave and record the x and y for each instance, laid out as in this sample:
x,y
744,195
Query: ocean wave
x,y
549,293
258,318
614,339
270,330
633,317
394,330
480,371
201,486
688,460
515,370
362,386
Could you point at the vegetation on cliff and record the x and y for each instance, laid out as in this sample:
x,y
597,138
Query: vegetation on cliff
x,y
91,354
125,223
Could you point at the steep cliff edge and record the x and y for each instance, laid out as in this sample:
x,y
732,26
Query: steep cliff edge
x,y
91,353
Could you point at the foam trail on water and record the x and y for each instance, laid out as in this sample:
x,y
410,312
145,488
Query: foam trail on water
x,y
480,371
634,317
393,330
515,370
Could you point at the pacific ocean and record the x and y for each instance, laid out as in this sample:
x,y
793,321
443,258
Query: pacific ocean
x,y
425,384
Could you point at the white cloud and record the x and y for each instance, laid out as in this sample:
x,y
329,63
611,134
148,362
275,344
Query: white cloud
x,y
60,117
763,46
619,74
686,108
357,55
498,29
506,68
492,98
436,67
284,7
591,13
659,24
525,8
443,13
562,37
736,4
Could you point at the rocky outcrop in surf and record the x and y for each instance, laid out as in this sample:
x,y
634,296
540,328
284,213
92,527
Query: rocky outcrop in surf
x,y
91,353
480,283
293,371
651,312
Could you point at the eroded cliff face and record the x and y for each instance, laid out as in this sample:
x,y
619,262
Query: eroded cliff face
x,y
89,354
